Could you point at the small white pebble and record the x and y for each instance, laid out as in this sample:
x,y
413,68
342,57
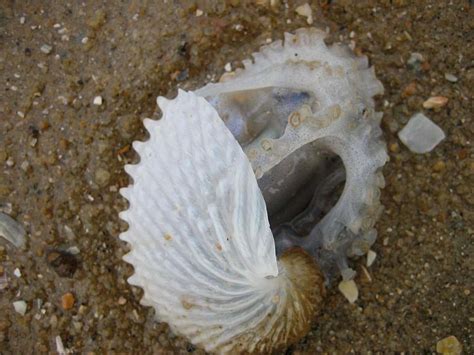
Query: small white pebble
x,y
371,255
22,20
349,290
25,165
228,67
20,307
420,134
450,77
348,274
17,272
56,25
10,162
199,12
59,346
305,11
73,250
62,99
21,114
85,40
69,232
46,49
98,100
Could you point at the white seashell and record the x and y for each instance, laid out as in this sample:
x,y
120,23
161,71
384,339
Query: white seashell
x,y
200,239
304,114
203,209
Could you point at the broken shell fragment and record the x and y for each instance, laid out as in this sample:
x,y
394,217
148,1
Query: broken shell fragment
x,y
12,231
435,102
349,289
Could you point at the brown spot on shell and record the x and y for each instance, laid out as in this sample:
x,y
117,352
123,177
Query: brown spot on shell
x,y
335,112
266,144
295,119
168,237
218,246
187,304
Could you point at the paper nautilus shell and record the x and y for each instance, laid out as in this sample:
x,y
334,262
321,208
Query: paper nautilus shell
x,y
253,191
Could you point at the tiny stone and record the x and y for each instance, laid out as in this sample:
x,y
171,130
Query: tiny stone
x,y
435,102
371,255
98,100
122,300
415,60
305,11
10,162
439,166
46,49
17,272
22,20
20,307
420,134
349,290
73,250
82,309
59,346
77,325
409,90
228,67
67,301
348,274
450,77
199,12
102,177
449,345
24,166
394,147
69,233
85,40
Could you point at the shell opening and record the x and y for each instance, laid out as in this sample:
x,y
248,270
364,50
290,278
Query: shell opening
x,y
303,188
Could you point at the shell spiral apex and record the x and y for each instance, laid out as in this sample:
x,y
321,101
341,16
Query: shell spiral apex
x,y
201,243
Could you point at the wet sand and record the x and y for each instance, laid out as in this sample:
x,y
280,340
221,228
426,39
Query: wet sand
x,y
62,162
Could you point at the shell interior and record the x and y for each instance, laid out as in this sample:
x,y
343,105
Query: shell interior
x,y
304,115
